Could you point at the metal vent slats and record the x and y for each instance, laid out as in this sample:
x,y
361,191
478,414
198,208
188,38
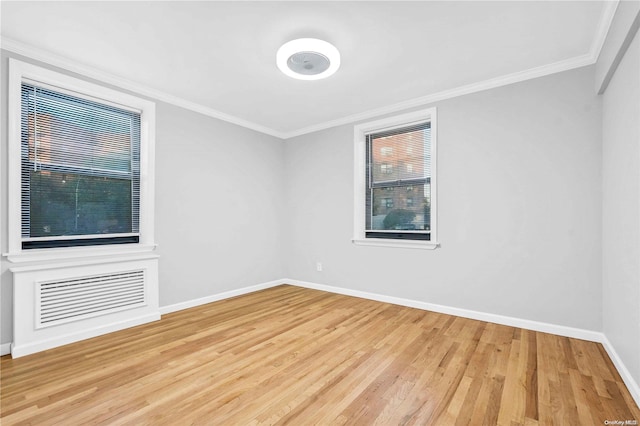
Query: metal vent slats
x,y
72,299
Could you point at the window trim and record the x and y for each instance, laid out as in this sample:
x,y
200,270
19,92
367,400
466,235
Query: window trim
x,y
20,72
360,159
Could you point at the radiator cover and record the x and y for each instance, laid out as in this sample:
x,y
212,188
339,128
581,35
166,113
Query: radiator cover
x,y
59,303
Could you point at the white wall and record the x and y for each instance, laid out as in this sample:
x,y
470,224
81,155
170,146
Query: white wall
x,y
621,210
218,206
519,207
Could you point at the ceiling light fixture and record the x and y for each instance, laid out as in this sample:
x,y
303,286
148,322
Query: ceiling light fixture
x,y
308,59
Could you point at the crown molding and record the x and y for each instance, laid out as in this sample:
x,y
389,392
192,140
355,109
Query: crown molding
x,y
608,12
123,83
577,62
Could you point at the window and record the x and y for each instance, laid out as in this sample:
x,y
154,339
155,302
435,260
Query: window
x,y
407,219
386,151
80,158
80,171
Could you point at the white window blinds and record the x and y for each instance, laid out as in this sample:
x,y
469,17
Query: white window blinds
x,y
80,170
398,198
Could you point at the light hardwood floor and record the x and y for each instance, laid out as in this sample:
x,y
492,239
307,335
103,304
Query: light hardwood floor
x,y
289,355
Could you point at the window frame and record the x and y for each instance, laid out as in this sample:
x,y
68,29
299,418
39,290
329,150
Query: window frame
x,y
20,72
360,169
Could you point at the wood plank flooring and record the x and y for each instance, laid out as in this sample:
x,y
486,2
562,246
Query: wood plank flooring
x,y
289,355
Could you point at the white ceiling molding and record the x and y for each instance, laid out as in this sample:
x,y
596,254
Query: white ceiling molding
x,y
517,77
608,11
101,76
624,27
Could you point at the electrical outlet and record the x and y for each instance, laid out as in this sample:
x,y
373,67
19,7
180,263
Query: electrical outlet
x,y
319,266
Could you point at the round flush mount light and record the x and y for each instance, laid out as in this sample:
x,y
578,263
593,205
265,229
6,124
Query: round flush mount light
x,y
308,59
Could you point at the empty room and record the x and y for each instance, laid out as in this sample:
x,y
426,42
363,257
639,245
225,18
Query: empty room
x,y
320,212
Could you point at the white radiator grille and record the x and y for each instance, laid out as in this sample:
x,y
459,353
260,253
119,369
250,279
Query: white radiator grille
x,y
73,299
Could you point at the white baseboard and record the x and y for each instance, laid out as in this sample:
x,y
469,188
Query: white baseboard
x,y
220,296
632,385
5,349
577,333
26,349
41,345
561,330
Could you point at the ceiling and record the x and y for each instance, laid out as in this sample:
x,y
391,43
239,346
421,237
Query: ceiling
x,y
218,58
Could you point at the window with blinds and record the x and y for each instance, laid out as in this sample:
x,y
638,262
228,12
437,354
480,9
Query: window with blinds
x,y
398,183
80,170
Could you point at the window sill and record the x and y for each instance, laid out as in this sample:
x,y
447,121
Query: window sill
x,y
425,245
71,253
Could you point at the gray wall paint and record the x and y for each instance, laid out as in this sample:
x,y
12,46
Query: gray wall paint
x,y
621,210
218,206
519,207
